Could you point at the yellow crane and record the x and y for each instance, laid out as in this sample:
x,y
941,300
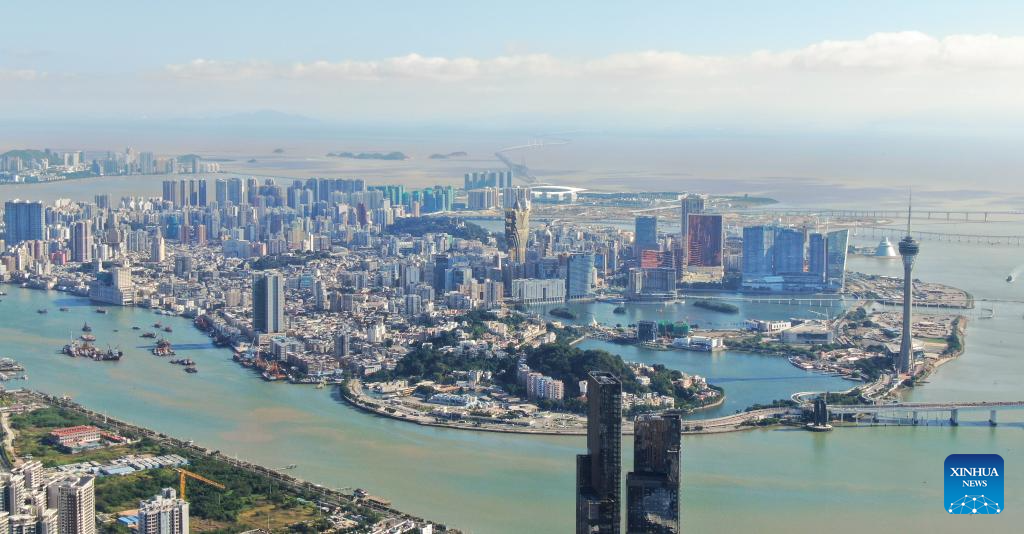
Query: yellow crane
x,y
182,473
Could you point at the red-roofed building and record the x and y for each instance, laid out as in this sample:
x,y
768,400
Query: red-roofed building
x,y
76,437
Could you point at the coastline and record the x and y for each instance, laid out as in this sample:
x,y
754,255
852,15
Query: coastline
x,y
351,392
329,495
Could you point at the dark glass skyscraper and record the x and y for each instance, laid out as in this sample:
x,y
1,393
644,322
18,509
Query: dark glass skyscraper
x,y
652,489
268,303
789,251
646,233
23,220
598,491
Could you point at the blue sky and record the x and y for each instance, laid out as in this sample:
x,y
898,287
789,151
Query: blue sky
x,y
185,58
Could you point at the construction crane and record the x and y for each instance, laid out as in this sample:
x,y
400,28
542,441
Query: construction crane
x,y
182,473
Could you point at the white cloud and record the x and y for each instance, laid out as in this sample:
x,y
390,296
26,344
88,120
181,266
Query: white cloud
x,y
896,52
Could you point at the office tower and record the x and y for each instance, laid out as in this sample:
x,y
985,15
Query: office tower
x,y
202,193
234,191
163,514
517,232
652,488
23,220
441,262
817,255
908,251
158,250
220,191
580,281
688,205
789,251
183,196
170,193
758,250
836,243
646,233
81,242
76,506
705,241
598,491
268,303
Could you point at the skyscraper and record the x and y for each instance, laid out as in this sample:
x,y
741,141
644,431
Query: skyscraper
x,y
705,241
164,514
517,231
646,233
836,243
598,490
268,303
688,205
76,505
908,251
580,276
789,251
652,488
23,220
758,248
81,242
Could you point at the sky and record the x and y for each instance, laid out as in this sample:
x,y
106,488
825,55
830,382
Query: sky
x,y
804,65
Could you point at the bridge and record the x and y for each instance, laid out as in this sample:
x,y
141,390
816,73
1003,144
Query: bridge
x,y
948,237
911,412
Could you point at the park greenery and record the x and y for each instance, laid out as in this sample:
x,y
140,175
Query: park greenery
x,y
721,307
418,226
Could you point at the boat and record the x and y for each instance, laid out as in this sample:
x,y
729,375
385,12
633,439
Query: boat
x,y
168,329
136,328
191,370
149,335
101,310
86,328
157,325
1010,279
183,361
291,466
41,311
64,309
163,348
88,337
112,355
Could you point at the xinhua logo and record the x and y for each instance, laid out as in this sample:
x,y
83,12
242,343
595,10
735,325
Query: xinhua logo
x,y
974,484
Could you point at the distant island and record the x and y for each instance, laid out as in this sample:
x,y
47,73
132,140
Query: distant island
x,y
278,151
389,156
721,307
449,155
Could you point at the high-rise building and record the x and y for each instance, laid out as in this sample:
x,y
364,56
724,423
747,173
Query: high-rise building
x,y
517,231
646,227
652,488
76,505
234,192
789,251
598,490
688,205
158,251
163,514
705,241
836,244
342,345
758,250
201,193
908,251
580,276
817,256
81,242
23,220
268,303
13,492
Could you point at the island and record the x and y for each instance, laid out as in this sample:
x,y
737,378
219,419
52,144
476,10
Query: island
x,y
721,307
449,155
386,156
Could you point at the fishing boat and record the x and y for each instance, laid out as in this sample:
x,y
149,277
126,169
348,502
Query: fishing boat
x,y
157,325
136,328
41,311
168,329
86,328
101,310
192,370
1010,279
64,309
163,348
149,335
88,337
183,361
112,355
